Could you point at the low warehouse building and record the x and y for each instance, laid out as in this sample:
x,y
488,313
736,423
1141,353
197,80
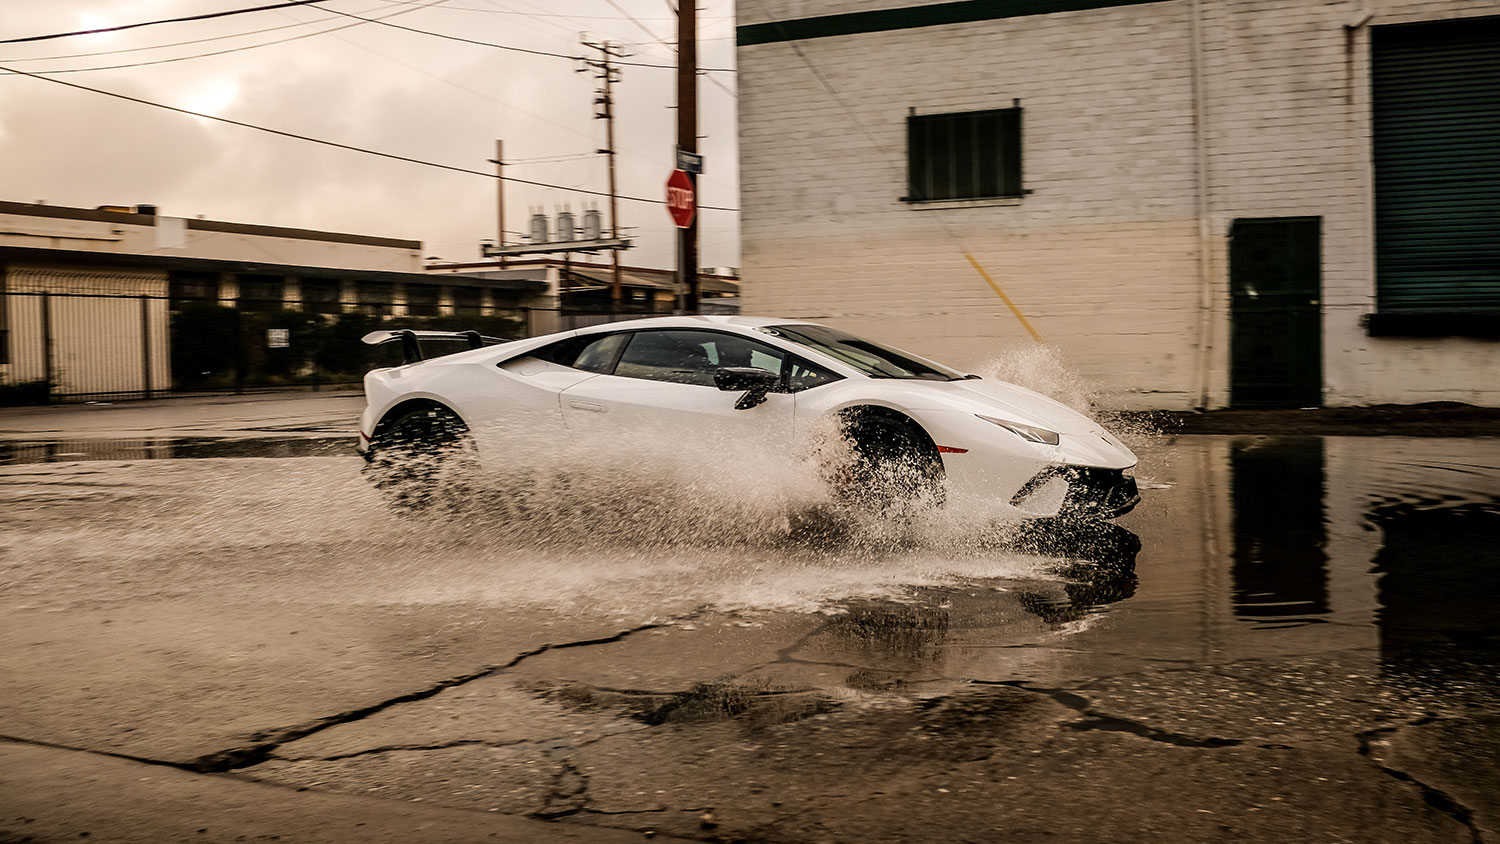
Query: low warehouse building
x,y
125,302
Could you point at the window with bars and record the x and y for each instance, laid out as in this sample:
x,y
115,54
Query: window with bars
x,y
373,297
261,292
466,301
965,155
422,300
322,296
184,287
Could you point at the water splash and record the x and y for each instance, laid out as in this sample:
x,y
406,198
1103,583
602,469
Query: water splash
x,y
312,530
1046,370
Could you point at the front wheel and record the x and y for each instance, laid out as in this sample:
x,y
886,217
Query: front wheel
x,y
890,466
423,459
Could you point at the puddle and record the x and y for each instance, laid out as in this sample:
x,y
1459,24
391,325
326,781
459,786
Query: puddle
x,y
22,452
1243,547
1291,623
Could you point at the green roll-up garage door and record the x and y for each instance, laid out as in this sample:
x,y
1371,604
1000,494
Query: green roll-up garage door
x,y
1436,92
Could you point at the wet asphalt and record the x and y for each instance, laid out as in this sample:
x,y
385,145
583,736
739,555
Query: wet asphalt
x,y
215,631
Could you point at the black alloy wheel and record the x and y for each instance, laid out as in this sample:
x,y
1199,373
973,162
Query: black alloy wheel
x,y
423,459
893,467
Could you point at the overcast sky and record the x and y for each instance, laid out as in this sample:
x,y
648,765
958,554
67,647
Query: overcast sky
x,y
366,85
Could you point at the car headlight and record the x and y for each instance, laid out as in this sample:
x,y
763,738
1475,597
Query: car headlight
x,y
1030,433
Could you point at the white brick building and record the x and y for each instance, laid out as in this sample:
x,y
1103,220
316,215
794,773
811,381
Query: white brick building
x,y
1148,132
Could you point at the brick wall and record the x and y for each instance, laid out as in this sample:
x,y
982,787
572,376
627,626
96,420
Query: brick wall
x,y
1104,255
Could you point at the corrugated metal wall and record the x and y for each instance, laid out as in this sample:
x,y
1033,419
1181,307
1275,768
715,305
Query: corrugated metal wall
x,y
1436,103
106,332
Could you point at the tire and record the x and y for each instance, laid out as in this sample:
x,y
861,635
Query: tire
x,y
892,467
422,461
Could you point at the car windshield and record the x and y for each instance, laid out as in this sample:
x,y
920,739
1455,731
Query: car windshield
x,y
871,358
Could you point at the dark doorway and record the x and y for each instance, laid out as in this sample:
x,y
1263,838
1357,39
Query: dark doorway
x,y
1276,323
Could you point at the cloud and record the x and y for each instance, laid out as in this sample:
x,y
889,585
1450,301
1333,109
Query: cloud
x,y
372,87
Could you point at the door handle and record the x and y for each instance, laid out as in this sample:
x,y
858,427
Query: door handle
x,y
579,404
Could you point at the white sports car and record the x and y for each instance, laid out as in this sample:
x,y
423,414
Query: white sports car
x,y
914,429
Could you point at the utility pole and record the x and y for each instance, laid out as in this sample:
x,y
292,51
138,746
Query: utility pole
x,y
500,198
608,75
687,139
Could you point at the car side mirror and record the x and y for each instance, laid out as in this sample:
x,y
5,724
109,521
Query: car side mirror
x,y
756,382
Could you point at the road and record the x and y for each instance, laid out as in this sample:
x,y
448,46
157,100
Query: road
x,y
1292,639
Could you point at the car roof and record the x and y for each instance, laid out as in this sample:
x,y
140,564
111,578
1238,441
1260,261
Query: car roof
x,y
691,321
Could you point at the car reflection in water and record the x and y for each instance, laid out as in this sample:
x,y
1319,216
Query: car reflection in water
x,y
1099,568
975,629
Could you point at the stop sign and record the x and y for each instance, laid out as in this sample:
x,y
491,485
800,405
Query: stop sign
x,y
681,200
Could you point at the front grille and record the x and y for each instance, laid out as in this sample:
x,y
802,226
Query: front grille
x,y
1091,492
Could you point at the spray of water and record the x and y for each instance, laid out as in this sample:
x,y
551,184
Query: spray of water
x,y
1046,370
618,519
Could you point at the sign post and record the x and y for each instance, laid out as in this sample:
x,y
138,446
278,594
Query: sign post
x,y
681,198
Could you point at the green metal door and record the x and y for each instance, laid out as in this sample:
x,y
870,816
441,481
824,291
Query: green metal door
x,y
1276,322
1436,122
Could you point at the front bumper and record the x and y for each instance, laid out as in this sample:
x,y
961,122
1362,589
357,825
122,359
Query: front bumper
x,y
1088,492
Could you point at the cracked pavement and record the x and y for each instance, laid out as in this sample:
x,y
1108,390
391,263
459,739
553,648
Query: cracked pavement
x,y
253,649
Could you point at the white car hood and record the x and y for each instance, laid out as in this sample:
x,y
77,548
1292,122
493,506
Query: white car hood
x,y
1002,400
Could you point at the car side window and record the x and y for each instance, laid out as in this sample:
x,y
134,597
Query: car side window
x,y
590,353
802,375
600,355
691,357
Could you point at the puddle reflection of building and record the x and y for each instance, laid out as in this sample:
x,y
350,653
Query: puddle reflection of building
x,y
170,448
67,451
1391,538
1279,564
1298,571
1439,619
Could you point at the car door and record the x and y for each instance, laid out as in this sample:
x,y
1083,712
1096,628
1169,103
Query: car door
x,y
661,394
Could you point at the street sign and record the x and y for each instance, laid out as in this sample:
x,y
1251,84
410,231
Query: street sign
x,y
690,162
681,199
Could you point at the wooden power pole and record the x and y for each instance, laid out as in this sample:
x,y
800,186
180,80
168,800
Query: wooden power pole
x,y
500,198
608,75
687,139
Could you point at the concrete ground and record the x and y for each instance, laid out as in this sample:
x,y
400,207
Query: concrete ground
x,y
1291,639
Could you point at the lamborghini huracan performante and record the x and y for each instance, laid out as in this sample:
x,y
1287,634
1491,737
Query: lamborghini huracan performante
x,y
733,392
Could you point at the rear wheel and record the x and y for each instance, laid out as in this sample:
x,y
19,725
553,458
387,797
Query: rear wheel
x,y
423,459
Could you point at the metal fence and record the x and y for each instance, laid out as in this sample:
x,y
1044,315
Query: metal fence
x,y
77,347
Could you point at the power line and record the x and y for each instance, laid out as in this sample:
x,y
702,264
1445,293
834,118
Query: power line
x,y
457,38
444,80
123,27
508,105
539,17
722,87
503,11
550,159
225,52
416,5
642,27
513,49
164,46
466,89
350,147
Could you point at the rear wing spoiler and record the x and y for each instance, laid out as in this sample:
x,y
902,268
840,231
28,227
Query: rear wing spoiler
x,y
411,346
